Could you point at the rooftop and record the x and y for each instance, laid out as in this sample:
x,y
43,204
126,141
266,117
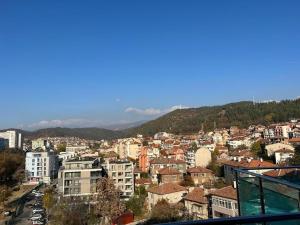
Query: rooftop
x,y
167,188
197,195
226,192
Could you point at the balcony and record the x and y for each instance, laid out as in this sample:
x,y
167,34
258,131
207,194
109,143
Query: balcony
x,y
270,196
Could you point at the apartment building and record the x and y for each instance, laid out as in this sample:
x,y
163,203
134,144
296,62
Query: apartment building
x,y
41,166
3,144
15,138
121,172
78,177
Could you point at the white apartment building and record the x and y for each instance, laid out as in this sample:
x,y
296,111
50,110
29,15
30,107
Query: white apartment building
x,y
15,138
121,172
41,166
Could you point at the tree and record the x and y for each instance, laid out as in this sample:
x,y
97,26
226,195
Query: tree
x,y
213,165
108,205
187,181
70,211
61,147
48,199
256,148
164,212
296,158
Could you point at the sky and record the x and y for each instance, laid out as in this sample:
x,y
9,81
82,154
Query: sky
x,y
95,63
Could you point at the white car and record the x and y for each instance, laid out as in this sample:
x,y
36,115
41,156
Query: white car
x,y
38,211
38,194
36,217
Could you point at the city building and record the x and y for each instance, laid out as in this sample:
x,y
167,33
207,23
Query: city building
x,y
201,175
41,166
272,148
122,173
159,163
40,143
224,202
169,175
14,137
3,144
196,204
172,193
78,177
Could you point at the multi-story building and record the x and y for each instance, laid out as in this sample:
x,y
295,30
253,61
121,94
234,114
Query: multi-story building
x,y
3,144
78,177
169,175
41,166
121,172
15,138
201,175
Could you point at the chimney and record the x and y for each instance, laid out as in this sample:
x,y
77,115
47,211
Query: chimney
x,y
239,159
248,160
261,159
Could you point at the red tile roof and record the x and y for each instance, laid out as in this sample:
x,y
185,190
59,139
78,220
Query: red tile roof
x,y
199,170
226,192
143,181
245,164
168,171
197,195
166,188
166,161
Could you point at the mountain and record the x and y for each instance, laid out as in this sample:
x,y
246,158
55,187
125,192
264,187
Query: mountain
x,y
185,121
242,114
124,126
86,133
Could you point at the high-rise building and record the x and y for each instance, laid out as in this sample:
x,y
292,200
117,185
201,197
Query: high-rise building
x,y
121,172
41,166
15,138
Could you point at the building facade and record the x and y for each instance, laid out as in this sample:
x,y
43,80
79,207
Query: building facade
x,y
79,177
41,166
122,173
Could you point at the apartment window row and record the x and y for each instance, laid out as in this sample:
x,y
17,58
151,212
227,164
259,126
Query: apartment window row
x,y
72,174
224,203
70,191
72,182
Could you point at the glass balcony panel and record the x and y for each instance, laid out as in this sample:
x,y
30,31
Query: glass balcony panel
x,y
280,198
249,194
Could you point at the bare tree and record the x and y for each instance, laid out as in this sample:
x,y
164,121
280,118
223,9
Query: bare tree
x,y
107,201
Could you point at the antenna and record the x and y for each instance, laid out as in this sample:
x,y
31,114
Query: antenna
x,y
253,100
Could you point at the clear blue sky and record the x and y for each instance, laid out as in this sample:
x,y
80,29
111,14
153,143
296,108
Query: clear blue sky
x,y
84,63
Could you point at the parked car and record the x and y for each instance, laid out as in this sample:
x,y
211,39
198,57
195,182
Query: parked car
x,y
36,217
38,222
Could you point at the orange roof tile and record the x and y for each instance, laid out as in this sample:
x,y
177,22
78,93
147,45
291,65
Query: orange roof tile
x,y
166,188
226,192
197,195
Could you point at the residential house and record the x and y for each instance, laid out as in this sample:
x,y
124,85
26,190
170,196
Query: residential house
x,y
159,163
272,148
196,204
169,175
172,193
201,175
224,202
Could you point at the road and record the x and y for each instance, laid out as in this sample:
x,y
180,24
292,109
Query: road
x,y
23,219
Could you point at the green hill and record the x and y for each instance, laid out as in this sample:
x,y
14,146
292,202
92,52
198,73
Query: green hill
x,y
191,120
241,114
86,133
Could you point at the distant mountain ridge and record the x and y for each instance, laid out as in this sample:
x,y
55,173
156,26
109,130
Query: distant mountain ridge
x,y
185,121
